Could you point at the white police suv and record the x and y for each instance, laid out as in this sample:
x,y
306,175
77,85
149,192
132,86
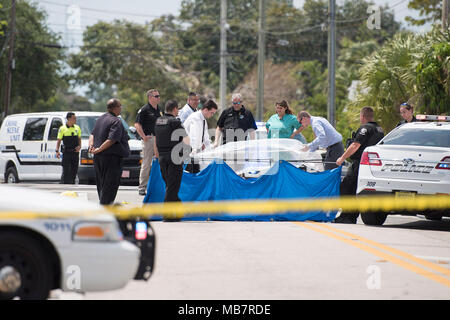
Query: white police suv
x,y
412,159
48,241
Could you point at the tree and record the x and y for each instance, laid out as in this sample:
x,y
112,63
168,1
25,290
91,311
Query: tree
x,y
37,55
429,10
409,68
126,56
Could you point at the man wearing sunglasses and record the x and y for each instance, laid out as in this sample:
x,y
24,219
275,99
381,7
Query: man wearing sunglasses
x,y
235,123
145,126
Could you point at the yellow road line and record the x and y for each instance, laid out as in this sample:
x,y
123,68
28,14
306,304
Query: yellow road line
x,y
400,253
381,254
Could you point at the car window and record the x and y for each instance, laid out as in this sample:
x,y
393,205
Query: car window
x,y
419,137
87,123
54,128
34,129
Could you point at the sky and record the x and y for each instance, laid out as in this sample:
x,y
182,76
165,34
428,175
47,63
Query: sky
x,y
70,17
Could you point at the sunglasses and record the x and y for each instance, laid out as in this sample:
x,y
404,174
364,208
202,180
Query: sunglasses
x,y
237,102
157,96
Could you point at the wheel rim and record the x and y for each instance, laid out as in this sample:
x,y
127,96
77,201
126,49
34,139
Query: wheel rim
x,y
11,178
22,268
10,280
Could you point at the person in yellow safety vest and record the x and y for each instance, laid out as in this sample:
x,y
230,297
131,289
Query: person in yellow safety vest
x,y
70,135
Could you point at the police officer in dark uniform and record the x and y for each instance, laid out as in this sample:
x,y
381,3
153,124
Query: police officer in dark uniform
x,y
407,113
70,135
235,122
171,151
109,144
368,134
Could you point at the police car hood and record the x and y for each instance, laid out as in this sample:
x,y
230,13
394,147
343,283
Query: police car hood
x,y
20,199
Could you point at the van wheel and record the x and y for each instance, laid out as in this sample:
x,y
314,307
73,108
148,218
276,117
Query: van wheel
x,y
373,218
11,175
25,270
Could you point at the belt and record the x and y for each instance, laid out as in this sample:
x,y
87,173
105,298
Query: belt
x,y
329,147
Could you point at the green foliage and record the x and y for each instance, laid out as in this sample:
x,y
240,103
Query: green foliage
x,y
429,11
37,72
125,56
411,68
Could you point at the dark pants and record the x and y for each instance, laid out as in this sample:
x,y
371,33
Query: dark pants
x,y
172,174
348,187
333,153
108,171
69,167
193,167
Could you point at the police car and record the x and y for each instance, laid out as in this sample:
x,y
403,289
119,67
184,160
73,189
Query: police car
x,y
412,159
48,241
28,148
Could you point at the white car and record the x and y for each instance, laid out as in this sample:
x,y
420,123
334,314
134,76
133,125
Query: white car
x,y
252,158
412,159
82,248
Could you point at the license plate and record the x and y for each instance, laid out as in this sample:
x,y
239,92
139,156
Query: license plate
x,y
125,174
404,194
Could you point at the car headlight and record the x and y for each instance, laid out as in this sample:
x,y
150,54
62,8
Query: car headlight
x,y
96,231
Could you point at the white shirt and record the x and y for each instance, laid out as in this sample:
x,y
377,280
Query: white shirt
x,y
326,134
197,130
185,112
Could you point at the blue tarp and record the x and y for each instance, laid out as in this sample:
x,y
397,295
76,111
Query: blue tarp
x,y
219,182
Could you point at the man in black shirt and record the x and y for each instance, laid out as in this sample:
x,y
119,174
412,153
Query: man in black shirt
x,y
108,143
235,123
368,134
169,134
145,126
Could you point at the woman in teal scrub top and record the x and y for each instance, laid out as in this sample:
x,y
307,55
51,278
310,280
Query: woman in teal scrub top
x,y
283,124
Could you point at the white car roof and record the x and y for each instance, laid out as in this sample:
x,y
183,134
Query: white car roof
x,y
58,113
426,125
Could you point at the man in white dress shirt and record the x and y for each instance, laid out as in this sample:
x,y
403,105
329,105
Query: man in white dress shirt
x,y
190,107
326,137
196,127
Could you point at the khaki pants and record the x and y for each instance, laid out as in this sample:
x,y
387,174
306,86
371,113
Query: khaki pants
x,y
147,157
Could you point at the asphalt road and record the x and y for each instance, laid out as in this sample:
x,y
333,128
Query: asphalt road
x,y
406,258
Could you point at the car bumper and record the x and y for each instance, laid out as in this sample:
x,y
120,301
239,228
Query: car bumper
x,y
88,266
381,185
130,175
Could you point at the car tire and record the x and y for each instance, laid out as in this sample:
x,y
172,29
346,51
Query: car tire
x,y
373,218
11,175
433,217
28,265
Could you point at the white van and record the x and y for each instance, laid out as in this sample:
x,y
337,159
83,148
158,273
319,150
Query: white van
x,y
28,148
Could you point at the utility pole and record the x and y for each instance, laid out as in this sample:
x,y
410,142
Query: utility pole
x,y
261,56
444,14
11,63
331,61
223,55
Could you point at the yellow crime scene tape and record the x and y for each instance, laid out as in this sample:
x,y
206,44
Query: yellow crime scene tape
x,y
262,207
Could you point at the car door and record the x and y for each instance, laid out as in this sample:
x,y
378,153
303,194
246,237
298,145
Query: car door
x,y
52,164
31,148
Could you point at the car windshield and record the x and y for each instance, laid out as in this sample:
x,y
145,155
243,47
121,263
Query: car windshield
x,y
87,123
419,137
